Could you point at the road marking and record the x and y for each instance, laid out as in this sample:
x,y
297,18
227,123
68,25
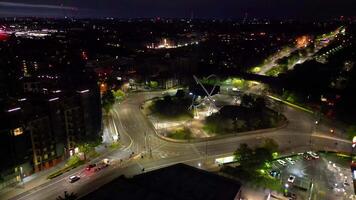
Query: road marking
x,y
124,131
196,150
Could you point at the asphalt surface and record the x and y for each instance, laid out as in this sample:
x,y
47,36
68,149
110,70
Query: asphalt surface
x,y
139,136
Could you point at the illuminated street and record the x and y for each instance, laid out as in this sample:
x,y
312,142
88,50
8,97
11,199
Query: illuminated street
x,y
129,119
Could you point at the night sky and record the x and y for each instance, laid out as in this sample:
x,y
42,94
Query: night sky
x,y
295,9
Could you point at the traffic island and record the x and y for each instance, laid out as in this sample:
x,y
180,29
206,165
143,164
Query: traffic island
x,y
174,121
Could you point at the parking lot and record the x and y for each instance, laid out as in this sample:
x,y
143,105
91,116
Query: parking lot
x,y
318,177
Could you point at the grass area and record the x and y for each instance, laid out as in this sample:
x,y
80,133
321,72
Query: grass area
x,y
171,108
177,117
115,145
276,70
72,163
93,154
180,134
234,119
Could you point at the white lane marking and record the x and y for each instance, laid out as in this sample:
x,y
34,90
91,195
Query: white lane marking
x,y
123,129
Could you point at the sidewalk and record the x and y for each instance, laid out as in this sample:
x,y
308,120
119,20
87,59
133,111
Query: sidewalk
x,y
40,178
30,182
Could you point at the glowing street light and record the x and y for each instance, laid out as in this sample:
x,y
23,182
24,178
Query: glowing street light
x,y
14,109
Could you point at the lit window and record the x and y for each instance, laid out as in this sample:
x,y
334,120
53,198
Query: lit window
x,y
17,131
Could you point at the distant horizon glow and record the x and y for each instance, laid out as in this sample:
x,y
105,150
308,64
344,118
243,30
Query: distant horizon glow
x,y
30,5
197,9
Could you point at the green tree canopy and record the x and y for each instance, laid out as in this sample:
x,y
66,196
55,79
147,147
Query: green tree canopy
x,y
119,95
108,100
351,131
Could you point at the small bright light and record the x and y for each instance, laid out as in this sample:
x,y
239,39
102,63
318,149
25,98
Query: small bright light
x,y
286,185
83,91
199,164
14,109
115,137
53,99
18,131
190,93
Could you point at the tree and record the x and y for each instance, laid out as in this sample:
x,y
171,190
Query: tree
x,y
67,196
85,148
167,99
261,155
238,83
250,159
271,145
260,104
351,131
119,95
243,154
153,84
247,100
108,100
180,94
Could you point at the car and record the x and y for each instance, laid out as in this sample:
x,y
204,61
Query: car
x,y
89,167
291,178
106,161
274,173
313,155
73,179
101,166
281,162
307,156
290,160
346,183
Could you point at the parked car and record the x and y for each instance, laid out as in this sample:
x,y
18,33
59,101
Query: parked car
x,y
291,179
274,173
307,156
89,167
313,155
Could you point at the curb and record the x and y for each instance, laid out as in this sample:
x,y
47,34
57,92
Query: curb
x,y
198,140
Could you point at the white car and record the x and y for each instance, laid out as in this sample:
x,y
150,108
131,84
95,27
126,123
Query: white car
x,y
290,160
291,178
313,154
281,162
73,179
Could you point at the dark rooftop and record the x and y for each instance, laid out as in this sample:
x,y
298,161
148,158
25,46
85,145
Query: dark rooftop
x,y
175,182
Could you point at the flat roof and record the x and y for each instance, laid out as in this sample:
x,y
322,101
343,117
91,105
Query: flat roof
x,y
175,182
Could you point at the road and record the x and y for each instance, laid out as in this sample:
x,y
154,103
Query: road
x,y
140,137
